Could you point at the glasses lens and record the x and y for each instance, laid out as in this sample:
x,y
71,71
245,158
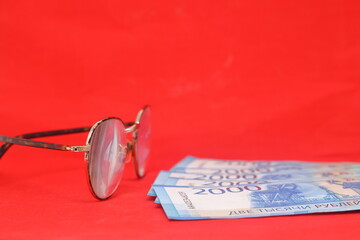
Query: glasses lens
x,y
107,157
142,141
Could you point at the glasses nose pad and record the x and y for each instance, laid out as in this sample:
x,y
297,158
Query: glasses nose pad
x,y
129,152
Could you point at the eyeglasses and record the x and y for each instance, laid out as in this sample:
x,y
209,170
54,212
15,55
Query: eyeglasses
x,y
107,149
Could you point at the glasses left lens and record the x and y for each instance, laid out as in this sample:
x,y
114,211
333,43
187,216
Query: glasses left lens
x,y
106,157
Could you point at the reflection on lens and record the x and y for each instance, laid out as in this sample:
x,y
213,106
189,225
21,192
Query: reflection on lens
x,y
107,157
142,141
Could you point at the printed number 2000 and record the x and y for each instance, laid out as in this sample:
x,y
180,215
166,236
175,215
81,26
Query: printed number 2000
x,y
217,191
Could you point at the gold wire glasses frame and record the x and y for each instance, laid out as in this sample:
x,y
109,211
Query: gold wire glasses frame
x,y
107,149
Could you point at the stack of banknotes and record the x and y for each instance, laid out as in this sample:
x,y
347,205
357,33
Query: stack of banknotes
x,y
208,188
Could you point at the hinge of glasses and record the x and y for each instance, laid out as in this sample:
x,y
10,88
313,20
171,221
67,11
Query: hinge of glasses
x,y
85,148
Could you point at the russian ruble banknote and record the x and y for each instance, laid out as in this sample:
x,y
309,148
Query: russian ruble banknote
x,y
207,188
191,162
223,180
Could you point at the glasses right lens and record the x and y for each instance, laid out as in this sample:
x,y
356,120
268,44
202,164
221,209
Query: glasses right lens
x,y
106,157
142,141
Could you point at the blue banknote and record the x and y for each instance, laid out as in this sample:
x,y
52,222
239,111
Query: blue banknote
x,y
194,162
223,180
265,170
208,188
254,200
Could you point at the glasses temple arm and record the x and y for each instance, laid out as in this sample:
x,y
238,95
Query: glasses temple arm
x,y
30,143
21,139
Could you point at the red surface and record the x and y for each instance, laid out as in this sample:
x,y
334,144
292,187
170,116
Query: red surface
x,y
232,79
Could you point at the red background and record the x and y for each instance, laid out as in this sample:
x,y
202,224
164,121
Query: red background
x,y
226,79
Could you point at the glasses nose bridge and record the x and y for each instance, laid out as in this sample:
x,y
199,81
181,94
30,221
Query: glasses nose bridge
x,y
129,153
131,127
